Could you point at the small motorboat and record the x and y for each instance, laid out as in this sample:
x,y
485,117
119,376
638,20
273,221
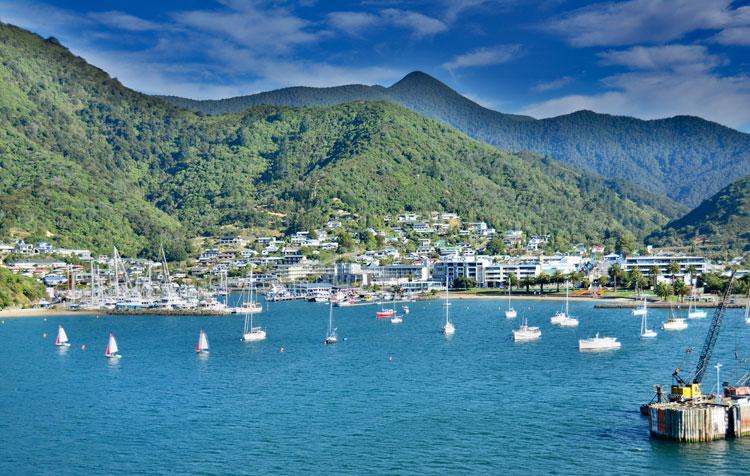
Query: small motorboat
x,y
599,343
397,319
526,333
674,324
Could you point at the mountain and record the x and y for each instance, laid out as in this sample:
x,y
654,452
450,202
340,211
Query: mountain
x,y
685,158
722,221
91,163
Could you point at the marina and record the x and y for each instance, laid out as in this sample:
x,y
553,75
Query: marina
x,y
369,375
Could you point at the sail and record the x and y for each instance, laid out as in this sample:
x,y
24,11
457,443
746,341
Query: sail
x,y
112,346
202,342
62,337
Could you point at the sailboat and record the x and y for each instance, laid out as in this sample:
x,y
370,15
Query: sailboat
x,y
646,333
747,307
331,337
563,318
251,333
693,311
396,319
62,338
510,313
202,347
640,310
112,351
448,329
384,313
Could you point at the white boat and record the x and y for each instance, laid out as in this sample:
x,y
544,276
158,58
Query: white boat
x,y
405,308
397,319
251,333
563,318
331,337
693,311
510,313
674,324
646,333
640,310
62,338
112,351
599,343
747,308
385,313
526,333
202,346
448,328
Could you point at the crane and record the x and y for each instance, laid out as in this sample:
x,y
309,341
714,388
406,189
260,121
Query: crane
x,y
687,389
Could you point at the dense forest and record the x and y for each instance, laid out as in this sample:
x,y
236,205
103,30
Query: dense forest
x,y
685,158
721,222
88,162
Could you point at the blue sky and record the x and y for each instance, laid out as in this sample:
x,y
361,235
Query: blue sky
x,y
645,58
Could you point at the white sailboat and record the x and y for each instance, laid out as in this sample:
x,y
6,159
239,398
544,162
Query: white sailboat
x,y
405,308
397,319
563,318
747,308
331,337
112,351
62,338
251,333
510,313
693,311
202,347
448,329
640,310
526,333
646,333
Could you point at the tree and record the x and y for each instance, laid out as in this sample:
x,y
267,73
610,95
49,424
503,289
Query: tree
x,y
543,279
495,247
654,273
558,278
664,290
603,281
692,270
527,282
616,273
512,281
681,289
673,268
463,282
345,241
636,280
626,244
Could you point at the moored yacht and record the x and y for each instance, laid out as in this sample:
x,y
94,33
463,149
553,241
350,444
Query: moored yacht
x,y
599,343
526,333
448,328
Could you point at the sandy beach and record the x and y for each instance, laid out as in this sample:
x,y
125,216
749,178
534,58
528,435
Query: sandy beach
x,y
42,312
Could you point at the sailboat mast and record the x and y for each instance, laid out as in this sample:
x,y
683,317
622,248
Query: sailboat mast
x,y
567,312
446,297
330,317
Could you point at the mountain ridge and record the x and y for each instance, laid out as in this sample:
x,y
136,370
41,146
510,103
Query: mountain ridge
x,y
686,158
89,162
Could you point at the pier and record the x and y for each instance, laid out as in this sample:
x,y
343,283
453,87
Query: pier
x,y
700,421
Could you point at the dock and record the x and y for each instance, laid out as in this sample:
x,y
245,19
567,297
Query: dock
x,y
663,305
700,421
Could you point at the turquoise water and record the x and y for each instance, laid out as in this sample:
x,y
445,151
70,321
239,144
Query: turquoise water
x,y
387,399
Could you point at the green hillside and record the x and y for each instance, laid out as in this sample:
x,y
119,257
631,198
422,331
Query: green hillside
x,y
17,290
722,221
685,158
92,163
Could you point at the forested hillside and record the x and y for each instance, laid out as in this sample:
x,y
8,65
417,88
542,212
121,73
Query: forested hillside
x,y
91,163
685,158
722,221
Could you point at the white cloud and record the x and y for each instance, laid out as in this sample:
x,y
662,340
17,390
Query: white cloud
x,y
554,84
664,81
123,21
638,21
682,58
484,57
356,23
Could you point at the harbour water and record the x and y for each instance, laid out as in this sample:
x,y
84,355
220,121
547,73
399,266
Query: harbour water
x,y
387,399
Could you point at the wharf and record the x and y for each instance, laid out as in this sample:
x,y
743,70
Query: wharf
x,y
701,421
663,305
164,312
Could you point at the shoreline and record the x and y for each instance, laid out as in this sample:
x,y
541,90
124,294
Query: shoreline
x,y
529,297
43,312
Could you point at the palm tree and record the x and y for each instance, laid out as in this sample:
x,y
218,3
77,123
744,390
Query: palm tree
x,y
664,290
654,273
616,272
681,289
527,282
673,268
512,281
692,270
558,278
543,279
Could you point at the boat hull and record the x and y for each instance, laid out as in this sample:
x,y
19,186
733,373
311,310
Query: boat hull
x,y
254,336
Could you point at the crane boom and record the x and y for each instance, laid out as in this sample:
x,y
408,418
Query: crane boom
x,y
713,334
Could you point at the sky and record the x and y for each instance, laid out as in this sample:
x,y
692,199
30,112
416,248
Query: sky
x,y
642,58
